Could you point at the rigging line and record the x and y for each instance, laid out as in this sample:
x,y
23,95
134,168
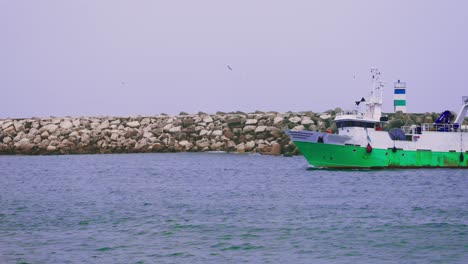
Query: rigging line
x,y
368,138
461,141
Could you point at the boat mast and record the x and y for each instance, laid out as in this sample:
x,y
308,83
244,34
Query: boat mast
x,y
462,114
374,106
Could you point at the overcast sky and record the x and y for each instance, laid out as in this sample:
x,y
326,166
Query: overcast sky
x,y
145,57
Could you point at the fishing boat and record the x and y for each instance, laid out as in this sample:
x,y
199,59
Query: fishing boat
x,y
361,143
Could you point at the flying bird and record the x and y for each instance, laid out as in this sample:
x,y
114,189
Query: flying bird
x,y
229,67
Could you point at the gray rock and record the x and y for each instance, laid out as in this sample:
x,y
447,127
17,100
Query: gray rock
x,y
51,128
7,124
167,127
278,120
104,125
240,148
307,121
66,124
187,145
114,136
133,124
207,119
76,122
248,129
9,130
217,133
148,134
55,121
141,145
217,146
94,125
260,129
175,129
249,146
205,132
251,122
74,134
234,120
115,122
145,121
300,127
51,148
295,119
203,143
18,126
45,134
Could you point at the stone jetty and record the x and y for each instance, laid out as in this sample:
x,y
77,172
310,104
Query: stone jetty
x,y
259,132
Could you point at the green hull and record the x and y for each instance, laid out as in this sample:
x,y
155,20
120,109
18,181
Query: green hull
x,y
345,156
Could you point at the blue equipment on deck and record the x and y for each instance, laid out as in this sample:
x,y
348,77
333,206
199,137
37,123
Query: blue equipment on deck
x,y
444,118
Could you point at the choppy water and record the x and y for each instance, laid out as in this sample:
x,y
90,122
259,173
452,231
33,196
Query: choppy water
x,y
226,208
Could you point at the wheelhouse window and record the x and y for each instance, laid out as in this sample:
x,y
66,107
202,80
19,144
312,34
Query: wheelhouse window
x,y
341,124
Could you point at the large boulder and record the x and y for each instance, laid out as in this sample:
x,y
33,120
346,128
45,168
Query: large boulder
x,y
251,122
240,148
133,124
7,124
278,120
295,119
148,134
298,128
204,143
217,133
66,124
228,134
104,125
276,149
9,130
248,129
217,146
260,129
207,119
234,121
76,122
186,144
176,129
18,126
114,136
51,128
167,127
187,122
249,146
204,132
306,121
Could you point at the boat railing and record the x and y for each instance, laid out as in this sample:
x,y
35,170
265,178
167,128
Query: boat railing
x,y
434,128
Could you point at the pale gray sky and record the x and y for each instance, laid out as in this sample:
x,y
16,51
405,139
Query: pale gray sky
x,y
110,57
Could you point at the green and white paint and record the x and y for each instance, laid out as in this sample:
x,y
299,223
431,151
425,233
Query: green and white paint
x,y
360,143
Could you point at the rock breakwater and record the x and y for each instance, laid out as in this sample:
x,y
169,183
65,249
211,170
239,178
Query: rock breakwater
x,y
259,132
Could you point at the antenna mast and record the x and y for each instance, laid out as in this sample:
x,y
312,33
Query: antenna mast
x,y
374,107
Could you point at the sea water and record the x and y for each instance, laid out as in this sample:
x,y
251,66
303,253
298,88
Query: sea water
x,y
226,208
